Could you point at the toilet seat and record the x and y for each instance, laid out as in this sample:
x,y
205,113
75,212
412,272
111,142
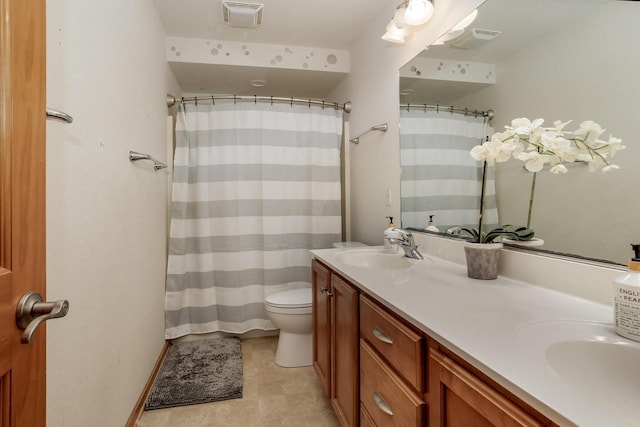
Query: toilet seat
x,y
296,298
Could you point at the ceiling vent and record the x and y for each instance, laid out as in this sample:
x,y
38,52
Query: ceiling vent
x,y
245,15
473,38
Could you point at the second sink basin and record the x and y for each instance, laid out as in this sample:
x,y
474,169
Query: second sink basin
x,y
591,359
374,258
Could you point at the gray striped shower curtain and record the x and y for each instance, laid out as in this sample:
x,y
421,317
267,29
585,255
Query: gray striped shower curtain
x,y
255,187
438,175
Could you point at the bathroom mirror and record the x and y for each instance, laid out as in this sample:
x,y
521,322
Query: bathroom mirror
x,y
557,60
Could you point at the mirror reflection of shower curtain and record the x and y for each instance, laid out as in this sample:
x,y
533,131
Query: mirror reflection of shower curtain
x,y
254,188
439,177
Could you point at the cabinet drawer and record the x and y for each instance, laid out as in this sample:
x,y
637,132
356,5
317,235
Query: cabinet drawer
x,y
384,395
402,347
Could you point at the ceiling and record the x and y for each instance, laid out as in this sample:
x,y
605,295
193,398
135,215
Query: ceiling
x,y
334,24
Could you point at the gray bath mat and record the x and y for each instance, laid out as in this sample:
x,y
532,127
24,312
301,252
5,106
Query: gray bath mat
x,y
198,372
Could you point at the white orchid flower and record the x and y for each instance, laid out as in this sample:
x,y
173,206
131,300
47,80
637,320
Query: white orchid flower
x,y
615,145
610,168
559,125
597,163
534,160
479,152
558,169
555,143
524,125
590,130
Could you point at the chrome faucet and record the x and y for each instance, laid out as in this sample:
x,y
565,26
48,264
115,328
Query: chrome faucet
x,y
407,244
455,230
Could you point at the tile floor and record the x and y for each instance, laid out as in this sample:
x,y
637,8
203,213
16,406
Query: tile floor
x,y
272,396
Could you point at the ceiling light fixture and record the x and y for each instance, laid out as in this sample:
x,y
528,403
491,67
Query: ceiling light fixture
x,y
409,13
418,12
395,34
397,28
258,83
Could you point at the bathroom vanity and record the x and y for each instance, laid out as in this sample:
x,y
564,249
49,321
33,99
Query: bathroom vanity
x,y
399,342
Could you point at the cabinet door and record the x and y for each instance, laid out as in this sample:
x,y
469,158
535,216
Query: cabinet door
x,y
321,288
459,398
344,376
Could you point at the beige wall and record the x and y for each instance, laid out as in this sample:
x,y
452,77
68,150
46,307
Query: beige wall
x,y
586,71
372,87
106,217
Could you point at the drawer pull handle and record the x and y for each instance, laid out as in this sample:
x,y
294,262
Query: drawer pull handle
x,y
381,403
382,336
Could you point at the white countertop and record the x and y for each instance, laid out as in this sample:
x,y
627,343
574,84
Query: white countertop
x,y
502,327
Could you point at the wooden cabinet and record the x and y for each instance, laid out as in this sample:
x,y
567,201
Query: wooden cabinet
x,y
373,365
459,398
335,341
321,284
344,357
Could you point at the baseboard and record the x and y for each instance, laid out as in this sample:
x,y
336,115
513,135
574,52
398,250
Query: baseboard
x,y
137,410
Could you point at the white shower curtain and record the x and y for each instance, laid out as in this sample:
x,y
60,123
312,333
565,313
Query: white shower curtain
x,y
254,188
439,177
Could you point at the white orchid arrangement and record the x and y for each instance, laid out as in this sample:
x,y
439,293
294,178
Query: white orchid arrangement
x,y
538,146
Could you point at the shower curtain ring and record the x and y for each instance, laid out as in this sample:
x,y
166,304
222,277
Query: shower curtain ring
x,y
437,108
323,105
234,99
272,100
465,111
255,100
425,108
213,100
291,103
309,102
452,109
195,100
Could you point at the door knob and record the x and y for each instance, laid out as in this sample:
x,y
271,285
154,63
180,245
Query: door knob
x,y
32,311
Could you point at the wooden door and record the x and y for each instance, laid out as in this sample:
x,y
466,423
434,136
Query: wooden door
x,y
321,286
344,359
22,206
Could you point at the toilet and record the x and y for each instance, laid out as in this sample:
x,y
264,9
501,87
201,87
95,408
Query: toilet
x,y
290,311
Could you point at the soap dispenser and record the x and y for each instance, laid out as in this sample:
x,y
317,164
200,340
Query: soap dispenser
x,y
627,299
431,226
390,233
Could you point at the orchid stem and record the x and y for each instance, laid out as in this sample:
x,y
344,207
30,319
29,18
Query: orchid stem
x,y
533,189
484,185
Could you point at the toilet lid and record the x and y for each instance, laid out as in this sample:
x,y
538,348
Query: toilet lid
x,y
295,298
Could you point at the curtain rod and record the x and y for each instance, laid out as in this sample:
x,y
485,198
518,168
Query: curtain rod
x,y
441,108
346,107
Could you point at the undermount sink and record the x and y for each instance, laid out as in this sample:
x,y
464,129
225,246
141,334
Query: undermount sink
x,y
591,359
374,258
